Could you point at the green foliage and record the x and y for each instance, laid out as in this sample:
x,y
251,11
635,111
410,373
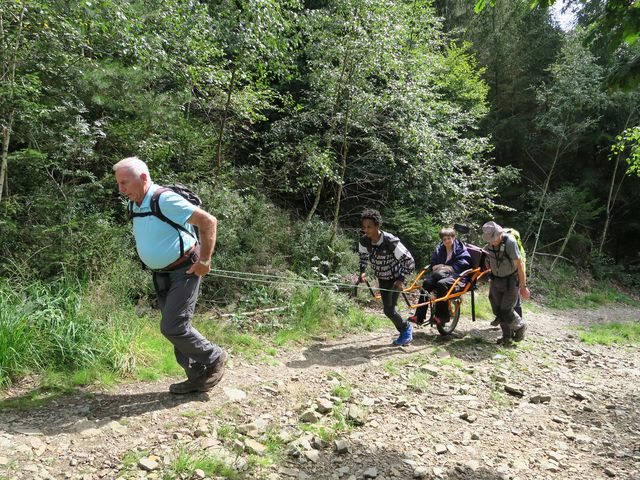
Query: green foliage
x,y
628,145
341,391
419,381
482,305
272,245
418,234
567,287
187,462
611,334
397,105
46,327
574,96
357,320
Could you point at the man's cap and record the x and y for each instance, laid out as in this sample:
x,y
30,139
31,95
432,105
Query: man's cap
x,y
491,232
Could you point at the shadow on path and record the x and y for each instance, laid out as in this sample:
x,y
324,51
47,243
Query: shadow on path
x,y
82,411
350,354
472,346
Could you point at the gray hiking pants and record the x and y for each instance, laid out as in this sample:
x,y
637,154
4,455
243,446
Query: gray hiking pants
x,y
389,300
177,294
504,295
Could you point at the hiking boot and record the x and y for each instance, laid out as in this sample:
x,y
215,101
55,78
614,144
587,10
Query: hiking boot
x,y
496,322
205,382
188,386
214,372
518,335
405,337
507,334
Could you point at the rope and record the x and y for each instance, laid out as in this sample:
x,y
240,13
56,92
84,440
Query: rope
x,y
275,279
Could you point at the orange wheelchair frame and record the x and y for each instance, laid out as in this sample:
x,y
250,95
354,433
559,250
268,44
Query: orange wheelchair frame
x,y
453,295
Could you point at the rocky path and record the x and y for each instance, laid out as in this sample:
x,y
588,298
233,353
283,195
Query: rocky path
x,y
354,408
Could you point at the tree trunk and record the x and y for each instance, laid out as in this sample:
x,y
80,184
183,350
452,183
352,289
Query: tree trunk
x,y
329,133
10,72
611,199
566,240
4,172
535,245
545,189
343,153
316,201
225,115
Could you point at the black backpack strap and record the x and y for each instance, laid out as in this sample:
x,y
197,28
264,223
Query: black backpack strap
x,y
156,212
504,246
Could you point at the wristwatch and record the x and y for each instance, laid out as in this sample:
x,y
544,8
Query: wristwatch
x,y
206,263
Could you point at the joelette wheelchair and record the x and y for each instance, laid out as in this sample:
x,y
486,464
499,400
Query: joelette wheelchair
x,y
465,282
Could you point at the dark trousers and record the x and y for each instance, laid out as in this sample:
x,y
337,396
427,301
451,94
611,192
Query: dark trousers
x,y
389,300
177,294
504,297
441,287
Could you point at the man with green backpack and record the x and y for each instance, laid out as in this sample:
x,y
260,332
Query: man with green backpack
x,y
508,280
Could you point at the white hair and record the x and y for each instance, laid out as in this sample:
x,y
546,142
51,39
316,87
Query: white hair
x,y
134,165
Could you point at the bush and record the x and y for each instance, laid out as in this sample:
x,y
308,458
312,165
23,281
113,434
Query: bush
x,y
259,246
418,234
310,250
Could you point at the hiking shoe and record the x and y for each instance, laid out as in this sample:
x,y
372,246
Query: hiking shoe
x,y
205,382
416,320
495,322
214,372
405,337
518,335
217,366
188,386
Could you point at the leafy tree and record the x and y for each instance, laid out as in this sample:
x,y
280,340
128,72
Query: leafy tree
x,y
570,107
256,37
390,115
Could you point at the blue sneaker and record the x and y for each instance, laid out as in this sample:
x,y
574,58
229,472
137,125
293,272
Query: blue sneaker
x,y
405,337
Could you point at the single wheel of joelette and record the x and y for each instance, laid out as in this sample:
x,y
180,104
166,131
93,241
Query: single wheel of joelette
x,y
454,312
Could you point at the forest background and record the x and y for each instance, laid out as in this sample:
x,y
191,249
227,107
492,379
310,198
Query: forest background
x,y
288,118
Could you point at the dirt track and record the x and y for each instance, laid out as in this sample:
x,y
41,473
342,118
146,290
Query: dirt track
x,y
458,408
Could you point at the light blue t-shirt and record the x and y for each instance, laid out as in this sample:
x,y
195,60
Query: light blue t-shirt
x,y
157,242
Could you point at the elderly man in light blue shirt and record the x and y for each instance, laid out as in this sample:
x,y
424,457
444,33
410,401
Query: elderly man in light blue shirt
x,y
178,261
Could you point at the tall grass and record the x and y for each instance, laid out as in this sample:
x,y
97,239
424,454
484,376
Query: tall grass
x,y
46,327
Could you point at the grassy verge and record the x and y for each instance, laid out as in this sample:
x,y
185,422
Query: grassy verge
x,y
49,330
611,334
565,287
66,337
